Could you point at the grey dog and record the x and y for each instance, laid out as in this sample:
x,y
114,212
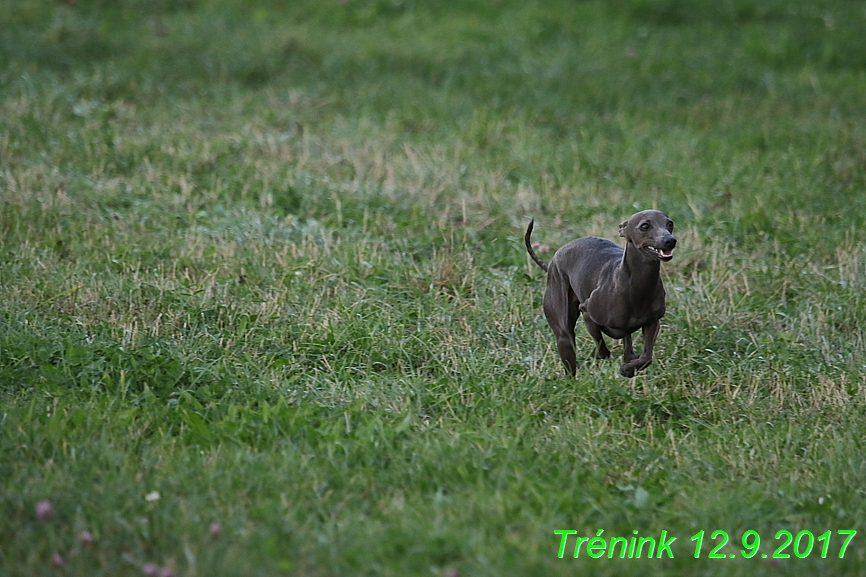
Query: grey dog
x,y
618,291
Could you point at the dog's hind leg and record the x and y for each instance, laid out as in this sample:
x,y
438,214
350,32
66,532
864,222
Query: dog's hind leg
x,y
561,312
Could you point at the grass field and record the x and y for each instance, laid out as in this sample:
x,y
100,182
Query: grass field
x,y
265,308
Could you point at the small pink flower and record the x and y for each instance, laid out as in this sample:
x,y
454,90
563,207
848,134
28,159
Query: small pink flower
x,y
44,510
215,529
85,538
166,572
452,572
541,247
57,560
150,569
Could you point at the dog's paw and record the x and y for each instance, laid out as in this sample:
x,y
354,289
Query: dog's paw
x,y
630,368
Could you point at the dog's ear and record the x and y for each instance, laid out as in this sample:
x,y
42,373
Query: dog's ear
x,y
622,227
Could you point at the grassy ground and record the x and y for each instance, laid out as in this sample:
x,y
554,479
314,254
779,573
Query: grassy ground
x,y
265,310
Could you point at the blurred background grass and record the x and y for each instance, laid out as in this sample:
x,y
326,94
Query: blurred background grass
x,y
581,93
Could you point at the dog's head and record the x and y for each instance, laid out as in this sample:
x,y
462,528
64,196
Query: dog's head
x,y
651,232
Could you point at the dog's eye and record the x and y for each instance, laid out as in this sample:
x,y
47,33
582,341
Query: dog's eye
x,y
670,226
644,226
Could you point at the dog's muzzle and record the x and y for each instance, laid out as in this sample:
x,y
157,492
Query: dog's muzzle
x,y
666,251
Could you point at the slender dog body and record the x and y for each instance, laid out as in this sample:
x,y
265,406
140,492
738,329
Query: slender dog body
x,y
617,290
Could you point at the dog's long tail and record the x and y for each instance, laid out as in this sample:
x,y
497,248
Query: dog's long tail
x,y
534,256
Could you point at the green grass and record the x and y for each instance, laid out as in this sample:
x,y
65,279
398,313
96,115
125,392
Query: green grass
x,y
265,259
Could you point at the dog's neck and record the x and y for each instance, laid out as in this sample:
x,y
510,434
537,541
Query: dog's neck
x,y
637,267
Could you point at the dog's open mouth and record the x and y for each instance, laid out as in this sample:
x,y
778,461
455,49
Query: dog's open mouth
x,y
661,253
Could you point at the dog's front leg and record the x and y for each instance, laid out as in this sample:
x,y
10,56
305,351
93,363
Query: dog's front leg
x,y
630,367
628,353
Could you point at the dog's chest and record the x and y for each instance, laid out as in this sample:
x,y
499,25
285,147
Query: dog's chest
x,y
622,316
